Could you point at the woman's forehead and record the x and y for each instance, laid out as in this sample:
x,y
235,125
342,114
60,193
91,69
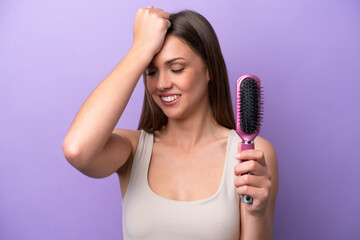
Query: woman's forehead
x,y
173,48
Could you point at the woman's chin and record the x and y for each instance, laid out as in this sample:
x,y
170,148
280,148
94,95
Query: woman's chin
x,y
173,114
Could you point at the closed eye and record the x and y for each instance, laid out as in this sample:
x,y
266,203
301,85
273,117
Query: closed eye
x,y
149,73
177,70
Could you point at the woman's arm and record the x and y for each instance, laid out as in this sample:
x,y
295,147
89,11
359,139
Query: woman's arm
x,y
257,219
90,144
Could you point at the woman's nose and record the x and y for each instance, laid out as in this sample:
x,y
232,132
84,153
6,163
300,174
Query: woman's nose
x,y
163,82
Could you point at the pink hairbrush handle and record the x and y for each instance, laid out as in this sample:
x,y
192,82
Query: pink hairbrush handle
x,y
246,146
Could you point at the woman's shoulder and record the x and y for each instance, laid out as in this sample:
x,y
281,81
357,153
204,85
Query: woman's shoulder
x,y
263,144
269,151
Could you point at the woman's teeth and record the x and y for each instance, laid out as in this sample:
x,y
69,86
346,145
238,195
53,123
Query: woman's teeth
x,y
170,98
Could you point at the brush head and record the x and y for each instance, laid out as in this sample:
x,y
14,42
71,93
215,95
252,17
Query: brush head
x,y
249,107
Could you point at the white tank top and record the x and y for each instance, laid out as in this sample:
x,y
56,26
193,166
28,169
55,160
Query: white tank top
x,y
146,215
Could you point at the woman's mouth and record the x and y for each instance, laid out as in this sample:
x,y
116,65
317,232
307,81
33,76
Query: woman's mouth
x,y
170,99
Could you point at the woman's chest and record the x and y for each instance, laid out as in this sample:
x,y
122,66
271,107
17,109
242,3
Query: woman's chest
x,y
186,176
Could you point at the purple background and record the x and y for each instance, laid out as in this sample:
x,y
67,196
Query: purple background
x,y
53,53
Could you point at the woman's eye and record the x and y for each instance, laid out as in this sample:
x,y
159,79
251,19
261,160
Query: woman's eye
x,y
177,70
149,73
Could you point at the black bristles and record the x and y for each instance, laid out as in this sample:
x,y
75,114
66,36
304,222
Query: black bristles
x,y
250,105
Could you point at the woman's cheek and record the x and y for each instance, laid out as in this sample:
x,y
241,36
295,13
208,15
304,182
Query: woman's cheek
x,y
150,85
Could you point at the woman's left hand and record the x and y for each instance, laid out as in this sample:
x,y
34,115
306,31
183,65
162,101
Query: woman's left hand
x,y
257,184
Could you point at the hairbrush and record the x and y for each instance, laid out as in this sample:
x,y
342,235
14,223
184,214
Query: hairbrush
x,y
249,106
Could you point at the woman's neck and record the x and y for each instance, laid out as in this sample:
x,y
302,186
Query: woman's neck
x,y
194,130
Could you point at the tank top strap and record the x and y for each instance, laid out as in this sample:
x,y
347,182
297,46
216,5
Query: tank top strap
x,y
231,162
138,175
234,139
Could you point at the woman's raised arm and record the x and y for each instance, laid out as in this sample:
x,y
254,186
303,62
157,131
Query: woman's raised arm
x,y
90,145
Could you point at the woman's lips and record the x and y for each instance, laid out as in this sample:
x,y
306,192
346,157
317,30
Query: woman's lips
x,y
170,99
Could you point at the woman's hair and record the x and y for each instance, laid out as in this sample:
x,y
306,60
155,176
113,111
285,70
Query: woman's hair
x,y
198,33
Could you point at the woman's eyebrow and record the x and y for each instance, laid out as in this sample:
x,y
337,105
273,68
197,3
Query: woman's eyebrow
x,y
174,59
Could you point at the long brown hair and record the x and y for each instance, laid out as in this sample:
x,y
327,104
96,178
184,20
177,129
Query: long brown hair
x,y
198,33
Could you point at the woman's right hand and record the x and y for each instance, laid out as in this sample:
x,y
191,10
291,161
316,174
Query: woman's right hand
x,y
150,28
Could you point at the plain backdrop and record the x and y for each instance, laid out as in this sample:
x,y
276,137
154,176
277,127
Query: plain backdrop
x,y
54,53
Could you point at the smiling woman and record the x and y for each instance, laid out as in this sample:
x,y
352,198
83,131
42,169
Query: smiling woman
x,y
178,172
193,32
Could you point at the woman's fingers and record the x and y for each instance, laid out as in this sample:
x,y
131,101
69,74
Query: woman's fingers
x,y
251,154
146,17
161,13
150,27
252,167
252,180
260,195
258,183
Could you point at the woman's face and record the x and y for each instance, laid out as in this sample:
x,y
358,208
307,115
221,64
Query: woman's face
x,y
177,79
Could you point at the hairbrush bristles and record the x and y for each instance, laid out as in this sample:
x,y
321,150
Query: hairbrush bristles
x,y
250,105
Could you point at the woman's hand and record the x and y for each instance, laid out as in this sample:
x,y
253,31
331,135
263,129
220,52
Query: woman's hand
x,y
257,185
150,28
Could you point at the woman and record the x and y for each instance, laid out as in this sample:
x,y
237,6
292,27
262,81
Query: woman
x,y
178,174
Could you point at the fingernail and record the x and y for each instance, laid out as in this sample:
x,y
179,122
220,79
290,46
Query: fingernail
x,y
237,155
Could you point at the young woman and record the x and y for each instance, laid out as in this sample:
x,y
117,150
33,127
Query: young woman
x,y
180,173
